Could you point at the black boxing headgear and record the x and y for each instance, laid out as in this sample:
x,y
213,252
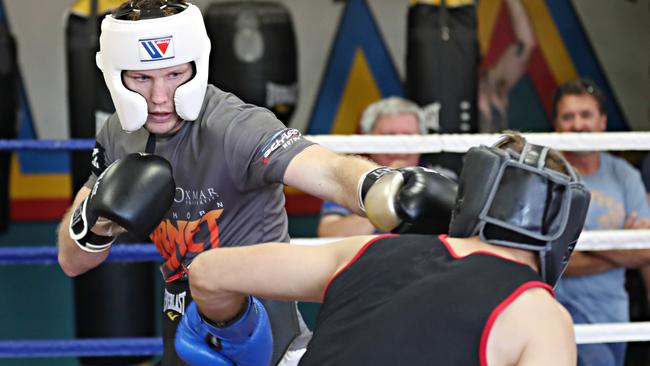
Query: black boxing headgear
x,y
512,199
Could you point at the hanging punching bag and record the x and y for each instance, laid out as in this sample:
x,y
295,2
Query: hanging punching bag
x,y
114,299
442,59
254,53
89,102
8,114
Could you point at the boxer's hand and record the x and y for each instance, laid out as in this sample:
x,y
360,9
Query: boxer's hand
x,y
411,199
132,194
245,342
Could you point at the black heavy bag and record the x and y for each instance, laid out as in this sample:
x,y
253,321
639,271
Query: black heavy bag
x,y
254,53
89,101
442,59
114,299
8,114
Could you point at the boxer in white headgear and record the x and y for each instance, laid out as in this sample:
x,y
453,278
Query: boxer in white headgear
x,y
154,42
230,161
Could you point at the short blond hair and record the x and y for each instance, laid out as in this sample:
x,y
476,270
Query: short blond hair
x,y
554,160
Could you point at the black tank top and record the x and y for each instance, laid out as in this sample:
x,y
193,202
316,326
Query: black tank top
x,y
409,300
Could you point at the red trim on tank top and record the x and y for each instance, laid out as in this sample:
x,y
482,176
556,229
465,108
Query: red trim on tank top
x,y
499,309
354,259
443,239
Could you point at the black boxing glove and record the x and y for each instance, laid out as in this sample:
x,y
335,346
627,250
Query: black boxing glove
x,y
408,200
132,194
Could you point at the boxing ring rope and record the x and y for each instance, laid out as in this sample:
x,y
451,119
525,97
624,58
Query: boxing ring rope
x,y
457,143
146,252
589,240
145,346
150,346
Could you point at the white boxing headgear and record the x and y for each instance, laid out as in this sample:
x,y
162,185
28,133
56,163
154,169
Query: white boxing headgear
x,y
149,44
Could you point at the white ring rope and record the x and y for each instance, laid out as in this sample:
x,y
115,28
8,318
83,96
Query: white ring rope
x,y
614,239
589,240
612,332
569,141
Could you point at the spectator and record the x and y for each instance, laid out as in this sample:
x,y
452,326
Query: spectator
x,y
593,289
390,116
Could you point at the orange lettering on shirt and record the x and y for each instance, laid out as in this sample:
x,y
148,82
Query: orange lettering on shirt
x,y
174,239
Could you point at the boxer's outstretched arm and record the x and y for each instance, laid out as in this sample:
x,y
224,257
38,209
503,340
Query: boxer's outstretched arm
x,y
72,259
328,175
221,278
407,199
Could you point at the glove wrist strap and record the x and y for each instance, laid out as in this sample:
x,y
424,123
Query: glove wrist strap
x,y
94,243
367,180
83,236
241,326
227,323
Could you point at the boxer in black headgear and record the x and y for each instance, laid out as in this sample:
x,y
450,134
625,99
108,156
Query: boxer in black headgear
x,y
459,299
522,204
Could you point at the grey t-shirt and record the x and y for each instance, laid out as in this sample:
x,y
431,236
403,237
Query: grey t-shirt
x,y
228,167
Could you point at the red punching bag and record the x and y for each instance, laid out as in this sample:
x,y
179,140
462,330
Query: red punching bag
x,y
254,53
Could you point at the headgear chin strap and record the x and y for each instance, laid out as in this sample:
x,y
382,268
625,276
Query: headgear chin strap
x,y
512,200
149,44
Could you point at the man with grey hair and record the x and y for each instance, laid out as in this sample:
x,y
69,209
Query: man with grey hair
x,y
391,106
389,116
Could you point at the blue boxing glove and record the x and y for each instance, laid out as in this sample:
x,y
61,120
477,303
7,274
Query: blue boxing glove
x,y
247,341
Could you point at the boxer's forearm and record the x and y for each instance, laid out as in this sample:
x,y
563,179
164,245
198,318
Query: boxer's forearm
x,y
72,259
628,258
219,307
586,263
220,278
328,175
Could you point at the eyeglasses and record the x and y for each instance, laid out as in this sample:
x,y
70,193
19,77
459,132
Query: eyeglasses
x,y
149,13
